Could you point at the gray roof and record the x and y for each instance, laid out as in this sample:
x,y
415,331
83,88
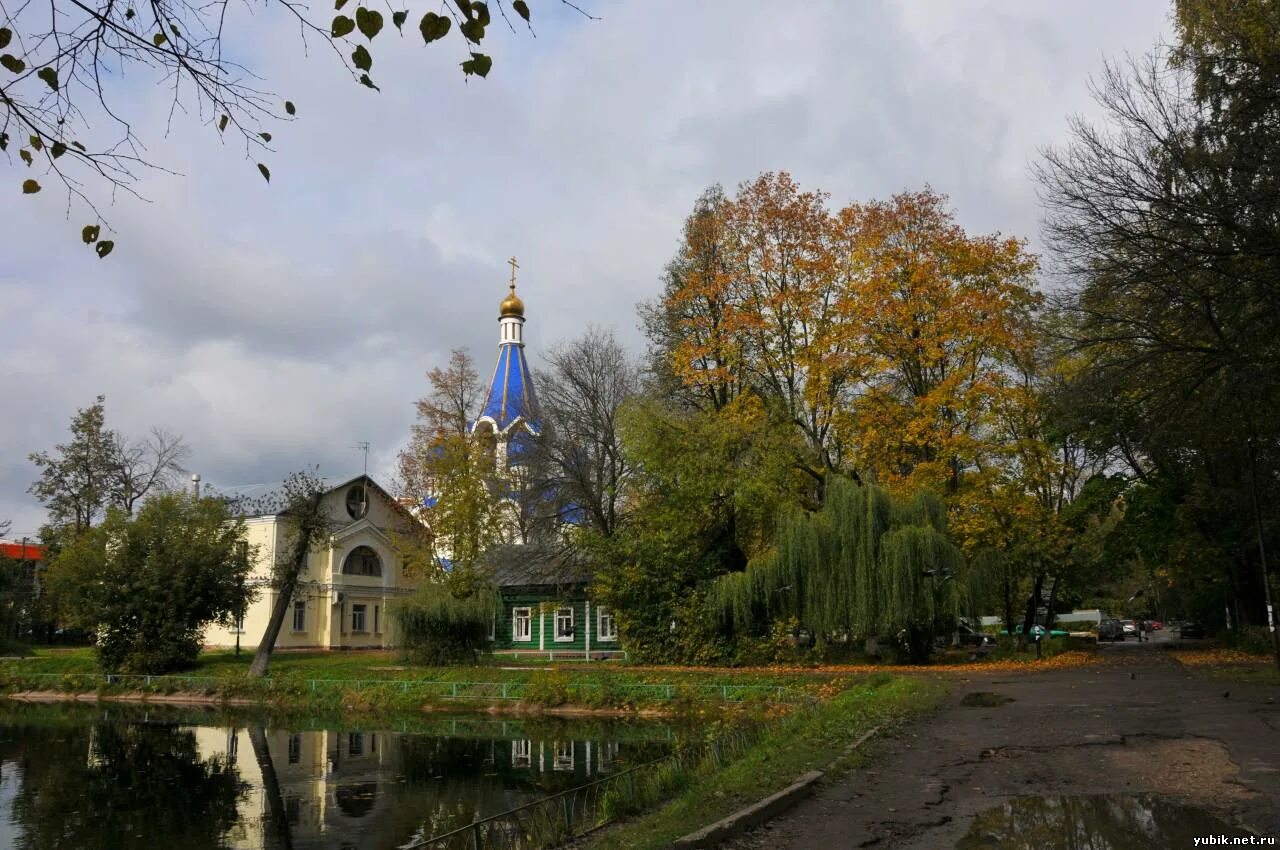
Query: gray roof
x,y
519,565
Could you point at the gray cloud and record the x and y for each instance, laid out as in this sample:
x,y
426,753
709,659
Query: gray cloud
x,y
276,325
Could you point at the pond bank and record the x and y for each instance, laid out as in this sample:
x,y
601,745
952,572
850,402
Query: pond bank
x,y
517,709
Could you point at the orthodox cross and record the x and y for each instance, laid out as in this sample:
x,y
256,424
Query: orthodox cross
x,y
514,265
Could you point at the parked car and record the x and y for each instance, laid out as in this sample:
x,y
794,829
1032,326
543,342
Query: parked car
x,y
1191,629
1129,626
1110,629
1156,625
1017,630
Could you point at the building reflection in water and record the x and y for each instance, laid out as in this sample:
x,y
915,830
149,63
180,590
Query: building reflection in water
x,y
94,778
372,789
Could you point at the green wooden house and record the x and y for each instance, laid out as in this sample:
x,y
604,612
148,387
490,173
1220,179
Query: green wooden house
x,y
546,609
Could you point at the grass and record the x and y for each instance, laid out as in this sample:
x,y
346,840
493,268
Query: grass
x,y
804,741
382,682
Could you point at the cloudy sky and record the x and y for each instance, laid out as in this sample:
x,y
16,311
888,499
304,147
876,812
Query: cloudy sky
x,y
275,325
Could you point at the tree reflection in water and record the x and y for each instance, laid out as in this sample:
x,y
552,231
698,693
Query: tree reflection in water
x,y
87,778
1091,822
110,785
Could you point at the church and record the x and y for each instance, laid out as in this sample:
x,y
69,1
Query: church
x,y
545,604
346,596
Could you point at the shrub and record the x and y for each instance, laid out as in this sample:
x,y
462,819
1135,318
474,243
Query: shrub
x,y
438,628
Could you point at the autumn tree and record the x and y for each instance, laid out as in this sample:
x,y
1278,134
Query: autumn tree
x,y
63,71
939,318
447,475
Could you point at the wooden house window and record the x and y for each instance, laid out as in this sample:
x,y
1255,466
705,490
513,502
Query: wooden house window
x,y
521,624
606,628
564,624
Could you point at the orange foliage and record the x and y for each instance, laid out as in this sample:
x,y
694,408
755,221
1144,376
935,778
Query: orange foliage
x,y
882,330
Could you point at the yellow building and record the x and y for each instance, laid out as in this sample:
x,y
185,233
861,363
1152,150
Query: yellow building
x,y
343,595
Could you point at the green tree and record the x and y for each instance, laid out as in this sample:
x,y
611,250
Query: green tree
x,y
148,585
706,490
62,72
100,468
865,565
76,482
1163,220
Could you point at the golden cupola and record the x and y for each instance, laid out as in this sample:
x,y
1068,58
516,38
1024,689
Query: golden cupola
x,y
512,307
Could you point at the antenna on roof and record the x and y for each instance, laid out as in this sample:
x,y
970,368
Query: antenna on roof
x,y
364,447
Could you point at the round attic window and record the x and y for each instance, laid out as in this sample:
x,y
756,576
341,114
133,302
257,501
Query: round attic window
x,y
357,501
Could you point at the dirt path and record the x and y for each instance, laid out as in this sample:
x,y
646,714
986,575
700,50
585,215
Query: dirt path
x,y
1138,723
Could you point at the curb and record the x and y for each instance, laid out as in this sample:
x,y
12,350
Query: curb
x,y
754,815
765,810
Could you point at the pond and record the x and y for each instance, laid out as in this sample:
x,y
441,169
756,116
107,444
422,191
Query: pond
x,y
92,777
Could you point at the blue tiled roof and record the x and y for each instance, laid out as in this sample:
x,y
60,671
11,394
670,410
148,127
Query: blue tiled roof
x,y
511,390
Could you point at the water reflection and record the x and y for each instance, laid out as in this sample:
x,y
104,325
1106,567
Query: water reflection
x,y
84,778
1092,822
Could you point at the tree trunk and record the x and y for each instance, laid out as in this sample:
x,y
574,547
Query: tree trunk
x,y
275,829
1033,603
1008,602
262,657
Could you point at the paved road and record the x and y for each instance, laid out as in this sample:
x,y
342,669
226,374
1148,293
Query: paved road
x,y
1136,723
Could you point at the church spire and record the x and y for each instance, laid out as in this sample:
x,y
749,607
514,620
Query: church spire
x,y
511,397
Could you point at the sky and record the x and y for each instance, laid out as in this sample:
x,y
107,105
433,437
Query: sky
x,y
276,325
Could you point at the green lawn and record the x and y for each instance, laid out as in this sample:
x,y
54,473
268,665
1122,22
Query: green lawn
x,y
807,740
361,681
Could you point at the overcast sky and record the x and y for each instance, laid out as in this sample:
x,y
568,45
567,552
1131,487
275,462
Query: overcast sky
x,y
276,325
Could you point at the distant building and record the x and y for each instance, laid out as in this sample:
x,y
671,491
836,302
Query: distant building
x,y
343,594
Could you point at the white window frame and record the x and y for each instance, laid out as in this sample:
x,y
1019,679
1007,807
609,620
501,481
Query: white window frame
x,y
611,636
558,636
564,754
299,607
521,753
516,618
363,610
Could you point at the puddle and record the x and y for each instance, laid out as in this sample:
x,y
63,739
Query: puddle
x,y
1094,822
984,699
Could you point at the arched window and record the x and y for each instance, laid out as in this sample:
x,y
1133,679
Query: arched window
x,y
362,561
357,501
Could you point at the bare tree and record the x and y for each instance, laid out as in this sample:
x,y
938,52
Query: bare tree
x,y
150,465
581,394
307,527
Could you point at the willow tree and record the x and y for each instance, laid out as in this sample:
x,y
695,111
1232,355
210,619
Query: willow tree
x,y
865,565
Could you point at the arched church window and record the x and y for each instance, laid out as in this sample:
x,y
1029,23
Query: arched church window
x,y
362,561
357,501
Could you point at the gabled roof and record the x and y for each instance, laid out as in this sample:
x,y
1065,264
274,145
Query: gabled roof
x,y
528,565
511,394
260,500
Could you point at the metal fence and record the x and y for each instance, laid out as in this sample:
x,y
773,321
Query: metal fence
x,y
559,818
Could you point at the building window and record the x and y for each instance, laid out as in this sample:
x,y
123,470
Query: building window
x,y
606,628
295,748
357,501
521,624
521,753
300,616
376,625
357,617
564,756
362,561
564,624
355,744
